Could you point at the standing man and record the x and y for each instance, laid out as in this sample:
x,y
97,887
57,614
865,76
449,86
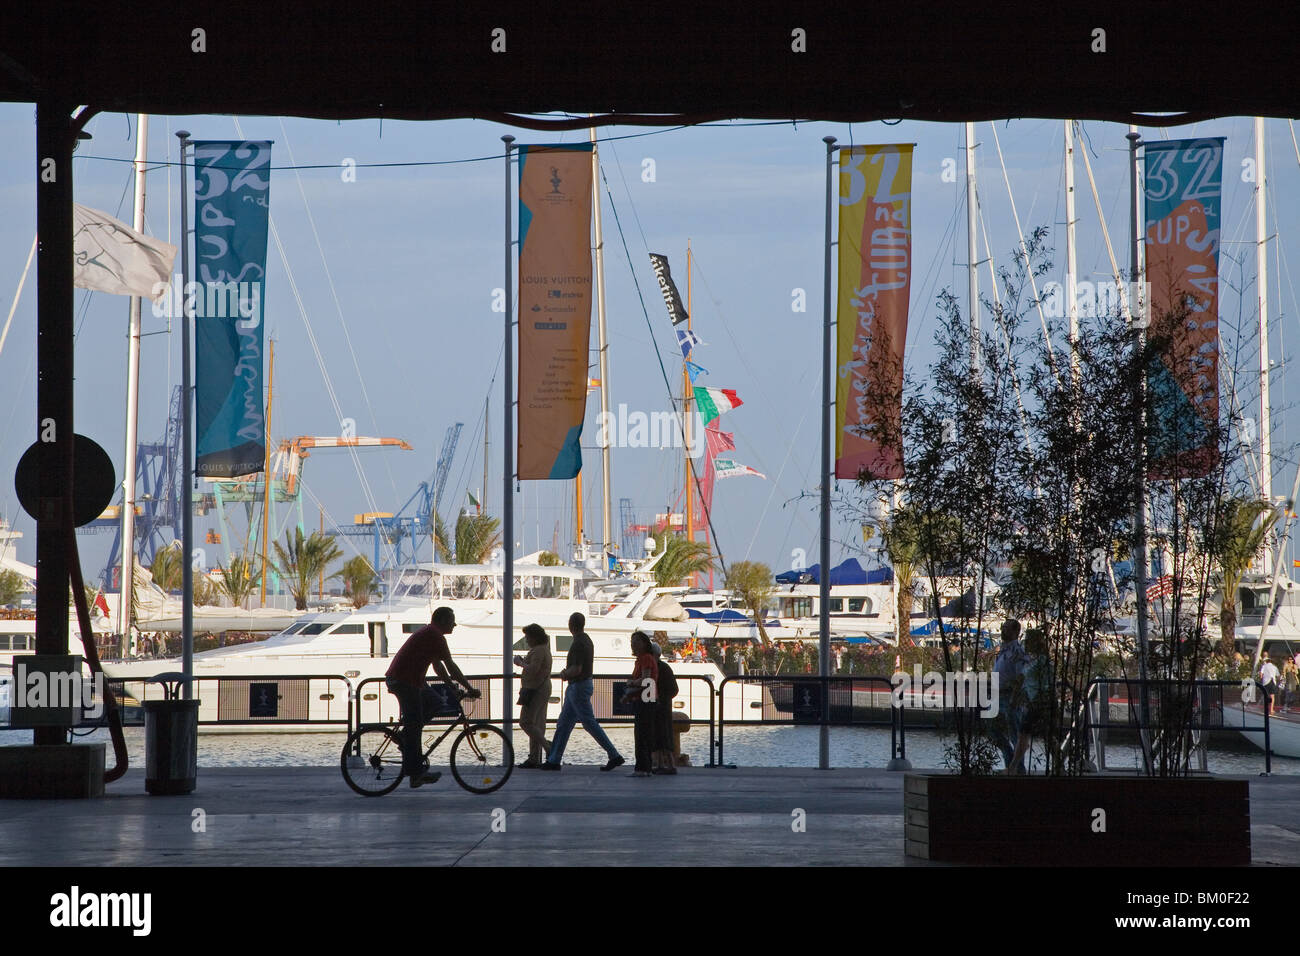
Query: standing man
x,y
1268,677
1009,666
406,676
577,700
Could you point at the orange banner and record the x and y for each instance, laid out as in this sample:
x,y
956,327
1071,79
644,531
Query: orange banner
x,y
875,272
554,307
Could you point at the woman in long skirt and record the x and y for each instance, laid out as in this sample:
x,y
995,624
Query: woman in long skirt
x,y
643,695
535,693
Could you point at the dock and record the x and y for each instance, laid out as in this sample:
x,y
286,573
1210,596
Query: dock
x,y
306,816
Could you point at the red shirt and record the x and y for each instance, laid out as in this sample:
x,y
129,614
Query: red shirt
x,y
412,662
646,666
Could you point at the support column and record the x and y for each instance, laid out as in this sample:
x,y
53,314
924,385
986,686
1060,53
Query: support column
x,y
55,136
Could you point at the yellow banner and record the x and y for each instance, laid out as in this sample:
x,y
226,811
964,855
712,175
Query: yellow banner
x,y
554,307
875,273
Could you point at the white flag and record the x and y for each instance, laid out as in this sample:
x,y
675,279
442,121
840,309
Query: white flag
x,y
110,256
730,468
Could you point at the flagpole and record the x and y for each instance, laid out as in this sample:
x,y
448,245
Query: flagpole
x,y
127,591
507,498
1138,312
187,442
606,514
686,414
824,577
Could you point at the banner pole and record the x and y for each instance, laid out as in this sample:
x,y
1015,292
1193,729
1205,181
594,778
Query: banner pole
x,y
187,443
1137,316
507,491
824,578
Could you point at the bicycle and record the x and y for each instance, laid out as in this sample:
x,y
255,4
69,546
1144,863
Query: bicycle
x,y
482,757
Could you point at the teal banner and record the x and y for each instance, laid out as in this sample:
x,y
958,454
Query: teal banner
x,y
232,192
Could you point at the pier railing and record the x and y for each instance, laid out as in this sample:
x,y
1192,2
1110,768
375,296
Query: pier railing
x,y
695,696
838,700
1114,704
312,700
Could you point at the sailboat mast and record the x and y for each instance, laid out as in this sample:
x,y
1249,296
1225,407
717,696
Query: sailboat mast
x,y
686,412
487,411
266,467
1071,265
132,407
606,519
1261,267
971,256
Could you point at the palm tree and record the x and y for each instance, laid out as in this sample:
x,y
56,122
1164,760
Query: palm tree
x,y
303,561
167,569
680,559
12,587
1243,525
752,583
359,580
477,536
902,537
441,540
240,579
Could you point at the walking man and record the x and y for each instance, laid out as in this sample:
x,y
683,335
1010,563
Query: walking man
x,y
577,700
1009,666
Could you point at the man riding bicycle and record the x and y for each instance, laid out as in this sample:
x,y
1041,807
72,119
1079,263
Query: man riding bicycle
x,y
406,682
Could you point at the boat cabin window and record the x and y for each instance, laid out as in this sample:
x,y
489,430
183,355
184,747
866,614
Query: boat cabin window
x,y
349,629
310,629
837,605
563,642
798,607
294,629
411,628
856,605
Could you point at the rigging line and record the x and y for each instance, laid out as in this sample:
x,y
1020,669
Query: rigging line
x,y
925,300
635,215
320,360
1024,252
311,337
755,378
462,480
1002,327
432,162
618,222
338,307
772,492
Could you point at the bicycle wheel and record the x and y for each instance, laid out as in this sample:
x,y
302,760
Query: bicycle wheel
x,y
482,758
372,760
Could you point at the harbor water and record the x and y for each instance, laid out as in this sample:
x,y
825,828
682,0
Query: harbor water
x,y
770,746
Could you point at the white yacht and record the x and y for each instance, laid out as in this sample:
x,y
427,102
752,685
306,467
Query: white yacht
x,y
357,645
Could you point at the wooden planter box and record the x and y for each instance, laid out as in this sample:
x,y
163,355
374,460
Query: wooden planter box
x,y
1050,821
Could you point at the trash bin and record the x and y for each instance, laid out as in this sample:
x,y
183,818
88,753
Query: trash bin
x,y
171,746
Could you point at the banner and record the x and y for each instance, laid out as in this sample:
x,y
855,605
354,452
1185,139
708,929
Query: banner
x,y
232,191
875,272
1183,190
554,307
672,299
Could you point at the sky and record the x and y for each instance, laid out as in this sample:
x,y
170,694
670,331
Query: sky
x,y
381,305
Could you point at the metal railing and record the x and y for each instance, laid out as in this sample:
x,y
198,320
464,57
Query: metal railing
x,y
311,700
838,700
374,703
1203,702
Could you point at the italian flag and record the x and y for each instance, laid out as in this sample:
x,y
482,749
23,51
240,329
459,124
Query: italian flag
x,y
713,402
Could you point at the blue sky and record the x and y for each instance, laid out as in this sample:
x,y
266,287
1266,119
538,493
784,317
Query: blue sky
x,y
395,273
